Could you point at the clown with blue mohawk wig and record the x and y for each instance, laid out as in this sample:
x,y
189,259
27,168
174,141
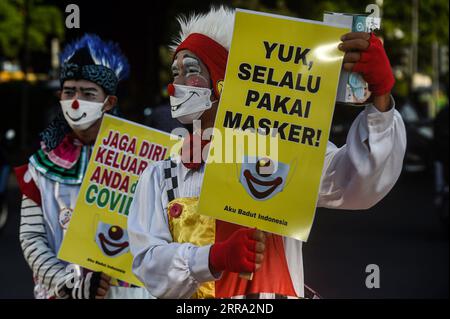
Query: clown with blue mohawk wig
x,y
91,70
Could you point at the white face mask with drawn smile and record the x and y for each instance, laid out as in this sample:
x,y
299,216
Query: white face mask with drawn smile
x,y
189,102
80,114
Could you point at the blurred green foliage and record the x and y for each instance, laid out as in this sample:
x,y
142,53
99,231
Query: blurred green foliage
x,y
45,21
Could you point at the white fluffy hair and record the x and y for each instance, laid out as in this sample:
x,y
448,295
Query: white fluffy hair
x,y
216,24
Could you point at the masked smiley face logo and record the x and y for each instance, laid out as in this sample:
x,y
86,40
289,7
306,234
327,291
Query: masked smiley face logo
x,y
263,178
112,239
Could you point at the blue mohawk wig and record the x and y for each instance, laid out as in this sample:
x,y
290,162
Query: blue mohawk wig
x,y
107,54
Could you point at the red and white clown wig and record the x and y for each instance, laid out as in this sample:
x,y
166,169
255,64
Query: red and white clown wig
x,y
208,36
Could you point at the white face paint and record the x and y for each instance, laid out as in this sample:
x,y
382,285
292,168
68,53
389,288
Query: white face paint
x,y
82,114
191,66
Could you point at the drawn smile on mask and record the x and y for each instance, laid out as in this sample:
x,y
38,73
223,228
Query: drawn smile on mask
x,y
76,119
176,107
264,168
111,243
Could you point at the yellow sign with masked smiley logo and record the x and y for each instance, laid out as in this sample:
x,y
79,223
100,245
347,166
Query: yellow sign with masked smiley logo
x,y
273,122
97,237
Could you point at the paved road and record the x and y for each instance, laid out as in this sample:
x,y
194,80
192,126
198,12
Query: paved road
x,y
402,235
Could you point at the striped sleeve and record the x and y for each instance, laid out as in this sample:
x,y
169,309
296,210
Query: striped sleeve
x,y
48,270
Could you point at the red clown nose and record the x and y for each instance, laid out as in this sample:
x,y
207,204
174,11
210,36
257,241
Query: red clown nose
x,y
170,89
75,105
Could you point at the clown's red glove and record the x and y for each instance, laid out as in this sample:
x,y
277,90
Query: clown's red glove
x,y
375,68
236,254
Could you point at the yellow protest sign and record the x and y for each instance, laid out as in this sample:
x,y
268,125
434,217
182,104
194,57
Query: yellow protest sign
x,y
96,237
281,81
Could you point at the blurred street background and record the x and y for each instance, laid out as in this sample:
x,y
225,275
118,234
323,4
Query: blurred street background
x,y
406,234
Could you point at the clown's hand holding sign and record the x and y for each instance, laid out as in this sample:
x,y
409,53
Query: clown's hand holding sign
x,y
179,253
